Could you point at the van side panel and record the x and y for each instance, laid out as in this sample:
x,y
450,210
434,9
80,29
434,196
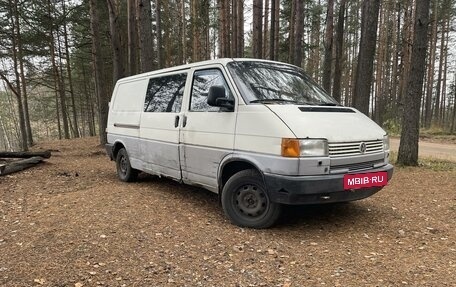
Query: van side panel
x,y
160,144
207,135
160,124
208,138
124,117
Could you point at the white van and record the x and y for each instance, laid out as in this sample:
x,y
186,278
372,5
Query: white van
x,y
259,133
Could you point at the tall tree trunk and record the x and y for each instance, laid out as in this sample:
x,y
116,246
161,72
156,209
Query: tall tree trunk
x,y
314,54
62,91
226,25
379,66
257,39
265,29
299,33
327,63
291,31
240,28
439,77
356,8
221,27
145,36
88,99
180,15
158,28
276,29
20,59
57,106
196,37
100,73
116,41
166,33
408,148
184,33
336,93
272,33
234,25
384,97
407,38
453,119
446,5
395,69
200,30
364,71
69,74
57,77
206,53
431,68
445,72
132,38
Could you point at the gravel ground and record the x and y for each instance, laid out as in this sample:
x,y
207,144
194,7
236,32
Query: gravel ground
x,y
70,222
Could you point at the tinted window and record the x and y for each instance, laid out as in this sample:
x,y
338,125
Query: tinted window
x,y
202,82
164,94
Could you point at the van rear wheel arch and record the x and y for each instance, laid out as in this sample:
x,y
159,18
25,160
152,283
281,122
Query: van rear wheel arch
x,y
115,150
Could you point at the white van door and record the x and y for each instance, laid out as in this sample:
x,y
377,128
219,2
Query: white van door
x,y
159,127
207,134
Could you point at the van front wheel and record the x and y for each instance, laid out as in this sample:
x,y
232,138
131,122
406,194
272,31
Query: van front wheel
x,y
246,202
124,170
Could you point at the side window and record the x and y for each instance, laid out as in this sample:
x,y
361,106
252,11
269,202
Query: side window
x,y
202,81
164,94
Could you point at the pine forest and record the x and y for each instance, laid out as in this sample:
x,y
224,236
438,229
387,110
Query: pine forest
x,y
394,60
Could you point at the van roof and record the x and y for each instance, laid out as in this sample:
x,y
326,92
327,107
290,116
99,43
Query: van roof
x,y
222,61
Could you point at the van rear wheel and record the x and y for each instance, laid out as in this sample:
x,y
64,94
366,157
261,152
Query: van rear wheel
x,y
124,170
246,202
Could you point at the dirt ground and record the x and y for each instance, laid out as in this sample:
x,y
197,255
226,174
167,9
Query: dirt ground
x,y
70,222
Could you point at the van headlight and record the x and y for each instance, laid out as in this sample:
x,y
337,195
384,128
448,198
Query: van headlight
x,y
304,147
386,142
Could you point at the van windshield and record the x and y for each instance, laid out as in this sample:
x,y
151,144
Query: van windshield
x,y
275,83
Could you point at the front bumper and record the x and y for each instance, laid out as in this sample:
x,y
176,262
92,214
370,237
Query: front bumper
x,y
317,189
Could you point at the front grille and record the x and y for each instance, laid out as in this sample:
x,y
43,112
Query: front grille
x,y
357,166
353,148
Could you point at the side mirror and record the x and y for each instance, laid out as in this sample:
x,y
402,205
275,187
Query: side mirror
x,y
216,98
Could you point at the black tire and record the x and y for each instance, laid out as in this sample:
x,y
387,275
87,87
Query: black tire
x,y
124,170
246,203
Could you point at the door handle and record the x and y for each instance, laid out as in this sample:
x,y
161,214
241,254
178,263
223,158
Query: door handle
x,y
184,121
176,121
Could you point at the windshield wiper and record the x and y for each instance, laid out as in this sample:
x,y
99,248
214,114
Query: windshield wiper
x,y
272,100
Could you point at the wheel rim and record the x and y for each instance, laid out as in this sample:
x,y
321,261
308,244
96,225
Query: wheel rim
x,y
251,201
123,164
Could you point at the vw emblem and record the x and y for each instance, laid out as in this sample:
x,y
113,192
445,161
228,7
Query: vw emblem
x,y
362,147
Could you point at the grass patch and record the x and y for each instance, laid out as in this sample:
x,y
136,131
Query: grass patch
x,y
437,164
428,163
438,135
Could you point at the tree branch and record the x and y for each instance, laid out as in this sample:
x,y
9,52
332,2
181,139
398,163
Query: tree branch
x,y
10,85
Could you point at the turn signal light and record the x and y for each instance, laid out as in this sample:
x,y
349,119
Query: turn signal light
x,y
290,148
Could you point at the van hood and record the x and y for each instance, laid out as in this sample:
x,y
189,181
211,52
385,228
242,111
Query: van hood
x,y
336,124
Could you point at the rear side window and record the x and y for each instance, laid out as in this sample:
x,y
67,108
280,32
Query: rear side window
x,y
164,94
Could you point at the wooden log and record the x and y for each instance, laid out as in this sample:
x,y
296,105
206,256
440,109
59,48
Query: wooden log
x,y
19,165
24,154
